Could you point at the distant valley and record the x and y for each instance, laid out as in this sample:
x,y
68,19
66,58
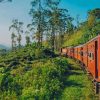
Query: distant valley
x,y
3,46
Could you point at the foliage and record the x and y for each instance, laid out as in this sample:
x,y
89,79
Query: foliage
x,y
16,28
78,86
86,31
25,78
50,21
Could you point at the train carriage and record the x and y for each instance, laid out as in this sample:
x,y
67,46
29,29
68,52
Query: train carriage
x,y
64,51
94,57
89,55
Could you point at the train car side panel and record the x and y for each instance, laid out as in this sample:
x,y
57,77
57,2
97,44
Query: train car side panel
x,y
85,55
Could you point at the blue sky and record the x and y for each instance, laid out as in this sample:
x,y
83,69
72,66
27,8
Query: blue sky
x,y
19,9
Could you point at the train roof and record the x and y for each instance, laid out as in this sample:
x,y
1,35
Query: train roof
x,y
93,39
70,47
79,46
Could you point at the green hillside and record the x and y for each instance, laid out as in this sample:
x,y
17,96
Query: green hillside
x,y
86,30
81,36
30,73
33,74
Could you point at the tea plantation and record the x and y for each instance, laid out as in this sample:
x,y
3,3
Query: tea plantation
x,y
33,74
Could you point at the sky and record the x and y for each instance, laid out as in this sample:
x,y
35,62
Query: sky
x,y
19,9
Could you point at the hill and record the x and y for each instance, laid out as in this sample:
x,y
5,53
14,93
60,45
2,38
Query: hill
x,y
3,46
86,30
82,35
30,73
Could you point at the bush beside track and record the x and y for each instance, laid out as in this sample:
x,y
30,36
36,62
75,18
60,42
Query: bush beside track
x,y
32,75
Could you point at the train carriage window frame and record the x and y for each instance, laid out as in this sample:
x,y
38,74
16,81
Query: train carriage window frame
x,y
91,56
81,53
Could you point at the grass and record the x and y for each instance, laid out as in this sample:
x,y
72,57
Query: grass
x,y
77,86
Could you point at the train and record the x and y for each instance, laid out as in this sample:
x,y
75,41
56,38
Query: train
x,y
88,55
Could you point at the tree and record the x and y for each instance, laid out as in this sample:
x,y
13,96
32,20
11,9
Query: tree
x,y
37,19
93,16
27,38
17,26
13,35
77,21
39,11
63,22
53,21
59,20
49,22
19,30
93,21
70,26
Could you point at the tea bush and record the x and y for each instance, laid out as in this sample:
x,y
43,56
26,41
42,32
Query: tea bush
x,y
43,81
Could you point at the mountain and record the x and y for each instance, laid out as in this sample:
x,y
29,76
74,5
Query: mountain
x,y
3,47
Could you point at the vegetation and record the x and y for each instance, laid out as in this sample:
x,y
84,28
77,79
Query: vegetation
x,y
16,33
29,76
34,71
86,31
78,85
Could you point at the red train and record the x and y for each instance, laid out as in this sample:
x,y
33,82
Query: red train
x,y
89,55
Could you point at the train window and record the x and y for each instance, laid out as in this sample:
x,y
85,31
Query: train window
x,y
92,56
81,53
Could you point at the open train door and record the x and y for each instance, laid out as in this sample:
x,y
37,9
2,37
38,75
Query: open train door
x,y
97,64
96,59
